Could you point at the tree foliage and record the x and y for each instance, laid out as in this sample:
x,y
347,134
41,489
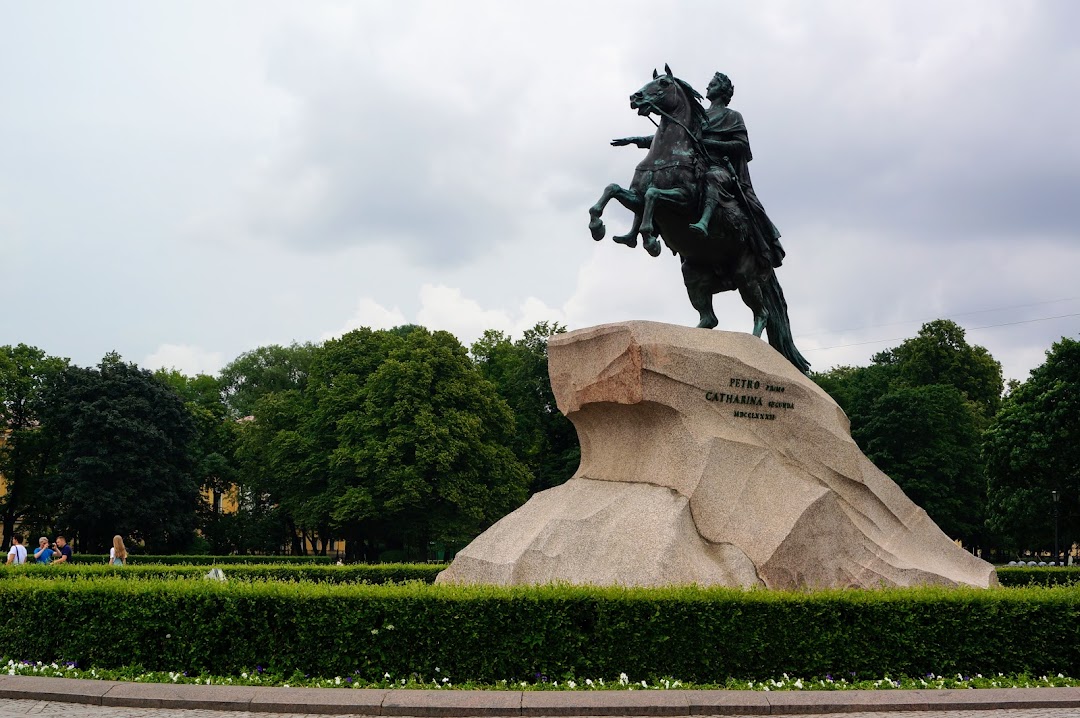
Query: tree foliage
x,y
122,439
25,375
940,354
918,412
395,440
544,440
213,455
1032,448
262,371
432,449
927,439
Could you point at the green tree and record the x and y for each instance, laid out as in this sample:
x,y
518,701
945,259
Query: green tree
x,y
857,389
25,459
213,453
340,372
935,458
422,441
124,465
926,438
394,439
940,354
262,371
275,455
1032,448
290,448
544,440
275,377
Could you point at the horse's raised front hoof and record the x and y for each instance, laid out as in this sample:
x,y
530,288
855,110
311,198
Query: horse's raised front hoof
x,y
708,321
700,229
628,239
597,228
652,246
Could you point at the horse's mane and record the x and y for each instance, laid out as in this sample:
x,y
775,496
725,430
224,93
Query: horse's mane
x,y
697,110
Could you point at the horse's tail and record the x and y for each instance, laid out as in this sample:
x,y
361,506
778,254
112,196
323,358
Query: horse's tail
x,y
778,325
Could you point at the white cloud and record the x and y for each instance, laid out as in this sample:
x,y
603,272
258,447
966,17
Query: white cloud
x,y
188,360
372,315
447,308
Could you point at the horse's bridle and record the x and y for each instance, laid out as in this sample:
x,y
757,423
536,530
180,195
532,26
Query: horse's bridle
x,y
698,144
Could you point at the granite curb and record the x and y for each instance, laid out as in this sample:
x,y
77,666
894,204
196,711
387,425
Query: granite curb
x,y
460,703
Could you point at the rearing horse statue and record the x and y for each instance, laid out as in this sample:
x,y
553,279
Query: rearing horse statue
x,y
730,250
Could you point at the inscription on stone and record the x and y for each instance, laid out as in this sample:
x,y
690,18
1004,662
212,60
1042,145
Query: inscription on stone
x,y
746,399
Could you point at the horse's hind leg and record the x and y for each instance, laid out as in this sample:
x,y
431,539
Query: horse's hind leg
x,y
750,291
701,283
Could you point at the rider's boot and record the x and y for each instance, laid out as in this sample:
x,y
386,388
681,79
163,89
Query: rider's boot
x,y
630,238
701,227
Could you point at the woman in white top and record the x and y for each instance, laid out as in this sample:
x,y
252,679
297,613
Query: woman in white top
x,y
17,554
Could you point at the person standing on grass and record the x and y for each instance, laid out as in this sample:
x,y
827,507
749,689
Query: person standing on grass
x,y
63,551
118,554
43,554
17,554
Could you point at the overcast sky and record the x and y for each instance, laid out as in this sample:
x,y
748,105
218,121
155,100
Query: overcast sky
x,y
185,181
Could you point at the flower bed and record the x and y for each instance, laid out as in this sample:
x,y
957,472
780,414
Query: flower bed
x,y
259,676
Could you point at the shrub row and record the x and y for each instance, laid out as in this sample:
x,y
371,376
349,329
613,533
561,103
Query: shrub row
x,y
1038,575
182,560
353,573
89,565
492,633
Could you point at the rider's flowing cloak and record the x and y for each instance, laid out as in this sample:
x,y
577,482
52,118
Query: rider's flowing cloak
x,y
726,125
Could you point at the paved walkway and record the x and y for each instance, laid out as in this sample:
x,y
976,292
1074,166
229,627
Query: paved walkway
x,y
29,695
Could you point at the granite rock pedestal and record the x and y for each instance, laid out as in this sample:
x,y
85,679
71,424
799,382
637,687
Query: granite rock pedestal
x,y
707,458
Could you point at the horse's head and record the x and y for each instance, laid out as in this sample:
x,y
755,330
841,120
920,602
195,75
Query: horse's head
x,y
662,93
666,92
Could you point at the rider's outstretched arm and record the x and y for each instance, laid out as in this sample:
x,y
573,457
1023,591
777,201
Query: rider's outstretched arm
x,y
642,142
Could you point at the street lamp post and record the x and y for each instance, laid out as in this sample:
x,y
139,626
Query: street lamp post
x,y
1057,499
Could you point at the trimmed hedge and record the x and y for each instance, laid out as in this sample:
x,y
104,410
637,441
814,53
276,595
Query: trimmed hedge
x,y
353,573
1038,575
492,633
92,565
182,560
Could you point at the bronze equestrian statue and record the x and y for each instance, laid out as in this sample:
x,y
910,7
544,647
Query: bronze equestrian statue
x,y
693,190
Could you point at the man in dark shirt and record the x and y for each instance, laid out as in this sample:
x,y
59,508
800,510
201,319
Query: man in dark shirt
x,y
63,551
